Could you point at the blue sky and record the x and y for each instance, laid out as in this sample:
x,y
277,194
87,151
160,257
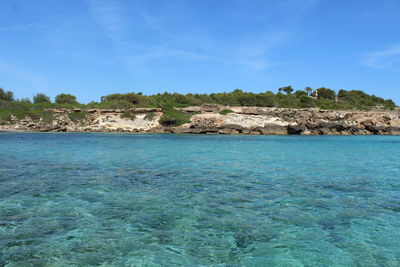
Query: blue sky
x,y
92,48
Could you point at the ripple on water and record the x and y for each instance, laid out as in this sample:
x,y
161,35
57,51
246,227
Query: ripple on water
x,y
177,200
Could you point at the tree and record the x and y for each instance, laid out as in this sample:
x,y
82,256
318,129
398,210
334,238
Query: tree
x,y
287,89
66,99
132,98
325,93
300,93
390,104
305,101
342,94
308,90
41,98
6,95
25,101
238,91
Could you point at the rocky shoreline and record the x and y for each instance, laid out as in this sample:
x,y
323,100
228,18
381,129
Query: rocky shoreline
x,y
210,119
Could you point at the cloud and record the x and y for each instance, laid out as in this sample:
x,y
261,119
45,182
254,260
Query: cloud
x,y
24,27
255,55
298,7
20,73
106,13
383,59
125,34
147,34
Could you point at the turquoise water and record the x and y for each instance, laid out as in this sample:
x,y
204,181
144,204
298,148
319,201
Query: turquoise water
x,y
196,200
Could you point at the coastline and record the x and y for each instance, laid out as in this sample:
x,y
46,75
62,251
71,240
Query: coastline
x,y
210,119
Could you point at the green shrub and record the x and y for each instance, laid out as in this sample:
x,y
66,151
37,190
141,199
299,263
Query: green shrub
x,y
66,99
149,116
132,98
128,115
225,111
305,101
25,101
389,104
325,93
22,112
322,97
6,95
118,104
41,98
47,118
33,115
173,117
77,116
5,116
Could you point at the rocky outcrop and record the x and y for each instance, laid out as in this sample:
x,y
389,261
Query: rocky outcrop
x,y
207,119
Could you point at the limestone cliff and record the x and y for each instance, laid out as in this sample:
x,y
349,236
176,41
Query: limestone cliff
x,y
207,119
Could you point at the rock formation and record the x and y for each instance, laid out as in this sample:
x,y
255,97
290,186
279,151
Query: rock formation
x,y
208,120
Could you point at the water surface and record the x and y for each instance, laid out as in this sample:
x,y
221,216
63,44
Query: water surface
x,y
195,200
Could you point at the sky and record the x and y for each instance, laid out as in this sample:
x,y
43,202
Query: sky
x,y
91,48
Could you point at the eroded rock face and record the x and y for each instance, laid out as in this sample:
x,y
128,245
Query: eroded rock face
x,y
207,120
115,122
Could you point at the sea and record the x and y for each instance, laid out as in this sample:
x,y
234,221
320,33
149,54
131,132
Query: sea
x,y
119,199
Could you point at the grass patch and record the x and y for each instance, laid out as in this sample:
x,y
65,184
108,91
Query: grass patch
x,y
225,111
173,117
128,115
34,114
5,116
77,116
47,118
149,116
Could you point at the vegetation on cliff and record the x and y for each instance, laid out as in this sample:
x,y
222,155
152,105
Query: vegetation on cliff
x,y
66,99
78,116
225,111
41,98
173,117
286,97
324,98
128,115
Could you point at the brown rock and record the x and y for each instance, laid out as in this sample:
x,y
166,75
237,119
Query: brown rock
x,y
295,129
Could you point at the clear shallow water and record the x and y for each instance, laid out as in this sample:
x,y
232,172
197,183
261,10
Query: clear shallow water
x,y
195,200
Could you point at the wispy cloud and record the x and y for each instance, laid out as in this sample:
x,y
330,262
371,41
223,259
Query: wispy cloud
x,y
255,55
22,74
23,27
383,59
298,7
106,13
199,43
121,31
